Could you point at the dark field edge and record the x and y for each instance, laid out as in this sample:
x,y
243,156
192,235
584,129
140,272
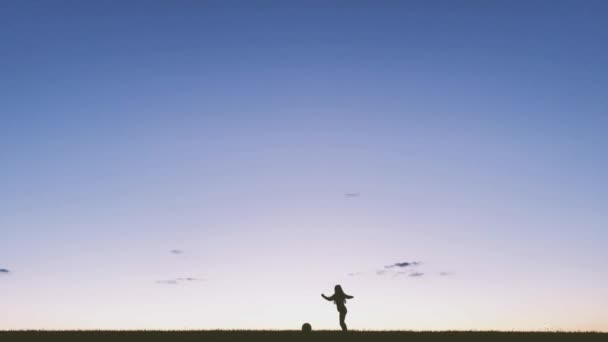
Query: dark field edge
x,y
293,335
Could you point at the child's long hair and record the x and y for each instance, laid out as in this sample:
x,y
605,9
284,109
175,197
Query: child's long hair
x,y
339,295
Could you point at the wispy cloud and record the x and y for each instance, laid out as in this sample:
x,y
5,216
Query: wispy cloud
x,y
352,194
177,281
176,251
413,269
407,274
188,279
4,271
403,264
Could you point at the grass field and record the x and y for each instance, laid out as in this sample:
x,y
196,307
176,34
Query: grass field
x,y
286,336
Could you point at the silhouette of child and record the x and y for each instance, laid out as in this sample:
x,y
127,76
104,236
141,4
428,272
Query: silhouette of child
x,y
339,297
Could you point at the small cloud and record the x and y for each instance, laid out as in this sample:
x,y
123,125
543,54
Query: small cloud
x,y
177,281
352,194
408,274
188,279
396,267
176,251
404,269
4,271
403,264
354,274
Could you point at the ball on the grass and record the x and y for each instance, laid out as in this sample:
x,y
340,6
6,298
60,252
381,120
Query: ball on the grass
x,y
306,328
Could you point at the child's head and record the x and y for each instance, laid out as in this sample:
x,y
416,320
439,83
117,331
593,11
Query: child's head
x,y
338,289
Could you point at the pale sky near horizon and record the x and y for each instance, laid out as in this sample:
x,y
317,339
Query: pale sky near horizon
x,y
220,164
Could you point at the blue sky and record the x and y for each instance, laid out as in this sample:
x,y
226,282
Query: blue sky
x,y
472,132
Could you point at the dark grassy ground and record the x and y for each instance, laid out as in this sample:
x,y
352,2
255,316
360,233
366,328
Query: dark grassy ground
x,y
286,336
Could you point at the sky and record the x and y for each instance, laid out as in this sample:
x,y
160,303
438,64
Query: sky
x,y
220,164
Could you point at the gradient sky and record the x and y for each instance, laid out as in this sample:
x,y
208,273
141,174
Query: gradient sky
x,y
473,132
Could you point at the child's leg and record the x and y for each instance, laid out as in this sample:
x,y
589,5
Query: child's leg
x,y
342,323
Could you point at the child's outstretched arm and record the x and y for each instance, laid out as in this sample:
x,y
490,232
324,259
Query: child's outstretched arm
x,y
327,298
348,297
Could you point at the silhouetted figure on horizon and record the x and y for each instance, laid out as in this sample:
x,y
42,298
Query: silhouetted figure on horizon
x,y
339,297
